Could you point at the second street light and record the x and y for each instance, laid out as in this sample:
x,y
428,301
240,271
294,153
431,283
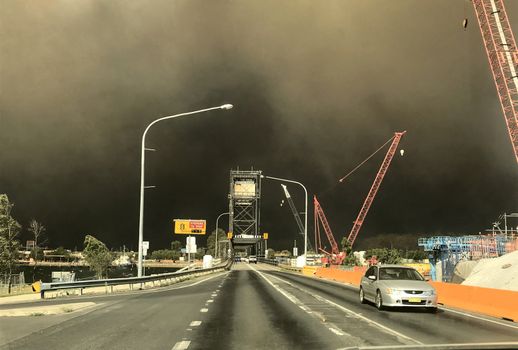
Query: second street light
x,y
305,211
217,228
142,163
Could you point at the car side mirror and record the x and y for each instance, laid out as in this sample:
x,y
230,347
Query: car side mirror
x,y
372,278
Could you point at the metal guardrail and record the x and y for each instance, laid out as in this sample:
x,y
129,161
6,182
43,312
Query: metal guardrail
x,y
268,261
54,286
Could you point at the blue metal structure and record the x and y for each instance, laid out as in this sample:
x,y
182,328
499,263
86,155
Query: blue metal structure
x,y
449,250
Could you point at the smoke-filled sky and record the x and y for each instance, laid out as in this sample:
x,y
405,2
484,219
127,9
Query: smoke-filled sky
x,y
317,86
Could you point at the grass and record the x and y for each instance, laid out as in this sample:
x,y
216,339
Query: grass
x,y
37,314
67,310
17,290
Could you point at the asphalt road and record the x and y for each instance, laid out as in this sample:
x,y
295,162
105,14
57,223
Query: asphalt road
x,y
250,307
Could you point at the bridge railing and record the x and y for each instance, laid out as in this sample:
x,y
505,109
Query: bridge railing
x,y
110,285
268,261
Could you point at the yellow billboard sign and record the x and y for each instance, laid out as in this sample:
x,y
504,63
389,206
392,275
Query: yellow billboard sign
x,y
189,227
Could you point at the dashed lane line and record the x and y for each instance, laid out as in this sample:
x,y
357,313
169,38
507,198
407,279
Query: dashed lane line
x,y
500,345
344,309
204,310
182,345
447,309
195,323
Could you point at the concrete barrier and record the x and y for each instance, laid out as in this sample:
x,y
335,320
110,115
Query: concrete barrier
x,y
488,301
351,277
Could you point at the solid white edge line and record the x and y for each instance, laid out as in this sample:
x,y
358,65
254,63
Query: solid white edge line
x,y
346,310
478,317
121,294
445,308
429,346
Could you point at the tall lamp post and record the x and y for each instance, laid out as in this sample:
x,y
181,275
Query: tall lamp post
x,y
217,229
305,211
142,163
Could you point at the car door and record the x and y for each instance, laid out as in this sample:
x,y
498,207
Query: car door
x,y
368,284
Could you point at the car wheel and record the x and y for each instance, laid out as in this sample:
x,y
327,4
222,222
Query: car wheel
x,y
431,310
379,300
362,296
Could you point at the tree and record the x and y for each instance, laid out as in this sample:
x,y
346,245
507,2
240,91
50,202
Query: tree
x,y
97,256
38,231
9,245
176,246
165,254
349,259
384,255
211,241
61,251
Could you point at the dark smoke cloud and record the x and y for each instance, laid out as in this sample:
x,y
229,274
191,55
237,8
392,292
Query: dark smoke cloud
x,y
317,86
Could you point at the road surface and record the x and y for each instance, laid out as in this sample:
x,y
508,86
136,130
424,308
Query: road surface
x,y
250,307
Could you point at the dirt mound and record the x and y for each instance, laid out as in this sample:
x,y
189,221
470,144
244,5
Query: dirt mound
x,y
499,273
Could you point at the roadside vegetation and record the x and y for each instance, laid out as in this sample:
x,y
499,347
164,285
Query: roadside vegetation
x,y
97,256
9,243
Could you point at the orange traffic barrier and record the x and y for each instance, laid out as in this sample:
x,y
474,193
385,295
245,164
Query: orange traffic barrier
x,y
493,302
488,301
309,270
352,277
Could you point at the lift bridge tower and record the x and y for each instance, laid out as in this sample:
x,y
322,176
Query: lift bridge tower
x,y
245,210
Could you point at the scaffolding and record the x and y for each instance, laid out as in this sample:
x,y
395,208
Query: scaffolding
x,y
449,250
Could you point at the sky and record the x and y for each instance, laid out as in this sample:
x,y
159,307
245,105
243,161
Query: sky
x,y
317,86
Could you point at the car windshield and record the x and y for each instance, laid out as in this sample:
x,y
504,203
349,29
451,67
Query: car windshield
x,y
400,273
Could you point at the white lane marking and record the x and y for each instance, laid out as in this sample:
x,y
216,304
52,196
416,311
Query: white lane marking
x,y
182,345
214,295
156,290
335,331
348,311
204,310
297,302
432,346
195,323
352,287
478,317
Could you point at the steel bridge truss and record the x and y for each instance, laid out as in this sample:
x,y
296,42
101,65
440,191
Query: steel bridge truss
x,y
244,203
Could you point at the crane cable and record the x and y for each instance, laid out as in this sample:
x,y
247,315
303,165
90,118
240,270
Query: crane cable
x,y
369,157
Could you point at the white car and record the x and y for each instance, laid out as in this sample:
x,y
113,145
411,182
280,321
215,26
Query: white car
x,y
395,285
252,259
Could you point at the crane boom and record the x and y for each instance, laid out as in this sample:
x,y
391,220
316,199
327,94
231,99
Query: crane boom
x,y
375,186
502,54
293,210
335,254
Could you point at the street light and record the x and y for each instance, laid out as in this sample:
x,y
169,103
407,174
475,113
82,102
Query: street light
x,y
217,229
305,211
142,162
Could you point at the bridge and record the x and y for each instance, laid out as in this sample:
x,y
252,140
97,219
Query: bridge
x,y
247,307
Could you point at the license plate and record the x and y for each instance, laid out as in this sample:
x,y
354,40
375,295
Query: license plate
x,y
414,300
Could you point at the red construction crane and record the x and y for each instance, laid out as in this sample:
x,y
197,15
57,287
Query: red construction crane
x,y
336,257
502,54
374,188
